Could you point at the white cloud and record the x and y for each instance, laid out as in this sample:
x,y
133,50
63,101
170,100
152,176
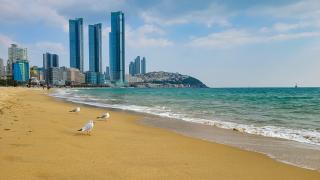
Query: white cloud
x,y
6,41
282,27
304,13
35,51
234,37
146,36
25,11
306,9
212,15
52,47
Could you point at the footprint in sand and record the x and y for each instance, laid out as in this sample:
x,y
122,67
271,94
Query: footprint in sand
x,y
21,145
6,129
14,159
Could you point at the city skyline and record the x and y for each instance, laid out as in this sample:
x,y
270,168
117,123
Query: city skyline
x,y
252,43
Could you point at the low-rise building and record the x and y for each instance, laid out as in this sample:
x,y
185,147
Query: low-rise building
x,y
75,77
91,78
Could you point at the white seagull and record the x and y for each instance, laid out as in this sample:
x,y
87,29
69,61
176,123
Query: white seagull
x,y
77,109
88,127
104,116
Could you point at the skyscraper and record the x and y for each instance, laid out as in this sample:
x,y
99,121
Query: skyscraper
x,y
131,68
76,43
15,53
95,53
137,65
143,65
117,47
49,61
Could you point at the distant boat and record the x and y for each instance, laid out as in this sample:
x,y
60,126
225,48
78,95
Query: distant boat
x,y
296,86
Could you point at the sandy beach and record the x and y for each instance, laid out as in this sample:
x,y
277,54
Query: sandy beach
x,y
39,140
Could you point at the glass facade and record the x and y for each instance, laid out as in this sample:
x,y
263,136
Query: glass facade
x,y
143,65
117,47
53,75
20,70
76,43
49,61
91,78
137,65
131,69
95,53
107,74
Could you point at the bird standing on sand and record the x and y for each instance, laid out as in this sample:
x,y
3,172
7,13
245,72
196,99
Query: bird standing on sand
x,y
77,109
104,116
88,127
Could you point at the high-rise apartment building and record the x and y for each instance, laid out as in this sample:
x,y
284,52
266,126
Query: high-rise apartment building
x,y
143,66
117,47
95,49
50,61
76,43
132,69
137,65
15,53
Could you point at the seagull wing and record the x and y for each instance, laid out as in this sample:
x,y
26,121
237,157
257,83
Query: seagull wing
x,y
87,127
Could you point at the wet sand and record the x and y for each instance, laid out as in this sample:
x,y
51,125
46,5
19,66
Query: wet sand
x,y
39,140
291,152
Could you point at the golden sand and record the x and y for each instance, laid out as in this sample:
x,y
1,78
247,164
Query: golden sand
x,y
39,140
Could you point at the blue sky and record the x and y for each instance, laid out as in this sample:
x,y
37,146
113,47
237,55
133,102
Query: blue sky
x,y
225,43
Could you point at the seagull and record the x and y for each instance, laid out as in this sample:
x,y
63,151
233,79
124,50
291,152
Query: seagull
x,y
88,127
77,109
104,116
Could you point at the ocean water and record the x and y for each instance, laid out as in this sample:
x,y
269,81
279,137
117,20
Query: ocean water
x,y
288,113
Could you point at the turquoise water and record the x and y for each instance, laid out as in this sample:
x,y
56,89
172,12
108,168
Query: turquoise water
x,y
287,113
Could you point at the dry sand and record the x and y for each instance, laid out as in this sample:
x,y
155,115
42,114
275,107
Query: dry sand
x,y
39,140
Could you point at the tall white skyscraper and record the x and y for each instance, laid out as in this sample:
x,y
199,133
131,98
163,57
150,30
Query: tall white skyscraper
x,y
15,53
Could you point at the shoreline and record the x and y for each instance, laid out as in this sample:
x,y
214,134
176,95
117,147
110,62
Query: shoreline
x,y
42,142
303,155
283,150
290,133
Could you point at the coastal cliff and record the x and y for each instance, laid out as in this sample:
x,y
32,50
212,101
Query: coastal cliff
x,y
165,80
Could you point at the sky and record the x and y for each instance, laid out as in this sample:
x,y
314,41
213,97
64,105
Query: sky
x,y
224,43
